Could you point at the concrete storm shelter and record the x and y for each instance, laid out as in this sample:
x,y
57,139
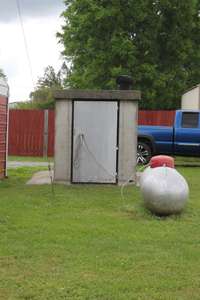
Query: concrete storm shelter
x,y
3,126
95,136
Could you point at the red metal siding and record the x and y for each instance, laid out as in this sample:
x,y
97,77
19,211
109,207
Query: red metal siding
x,y
3,135
26,132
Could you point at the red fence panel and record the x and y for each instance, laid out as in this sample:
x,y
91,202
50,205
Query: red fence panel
x,y
51,133
156,117
26,129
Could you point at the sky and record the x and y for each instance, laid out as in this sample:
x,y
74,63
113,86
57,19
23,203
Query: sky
x,y
41,20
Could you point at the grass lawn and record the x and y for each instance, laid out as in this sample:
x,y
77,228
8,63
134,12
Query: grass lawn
x,y
86,243
187,160
179,160
29,158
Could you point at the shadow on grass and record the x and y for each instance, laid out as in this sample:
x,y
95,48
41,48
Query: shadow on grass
x,y
139,212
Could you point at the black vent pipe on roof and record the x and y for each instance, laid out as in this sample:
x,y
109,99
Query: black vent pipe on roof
x,y
124,82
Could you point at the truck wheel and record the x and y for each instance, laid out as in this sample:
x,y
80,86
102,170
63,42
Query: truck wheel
x,y
144,153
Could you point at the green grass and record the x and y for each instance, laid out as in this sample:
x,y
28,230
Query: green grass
x,y
187,160
29,158
178,159
87,243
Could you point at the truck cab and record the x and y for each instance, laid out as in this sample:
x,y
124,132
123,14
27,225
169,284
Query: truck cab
x,y
181,139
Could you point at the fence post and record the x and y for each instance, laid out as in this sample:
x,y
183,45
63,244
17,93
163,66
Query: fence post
x,y
45,133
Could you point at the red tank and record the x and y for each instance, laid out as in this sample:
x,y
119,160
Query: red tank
x,y
162,160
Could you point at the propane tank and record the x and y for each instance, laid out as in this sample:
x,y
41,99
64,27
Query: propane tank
x,y
164,190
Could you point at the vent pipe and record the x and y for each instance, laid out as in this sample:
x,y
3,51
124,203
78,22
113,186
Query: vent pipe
x,y
124,82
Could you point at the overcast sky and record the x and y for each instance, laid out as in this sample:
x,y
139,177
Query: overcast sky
x,y
41,20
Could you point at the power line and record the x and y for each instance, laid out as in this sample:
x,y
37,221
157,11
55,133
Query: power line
x,y
25,40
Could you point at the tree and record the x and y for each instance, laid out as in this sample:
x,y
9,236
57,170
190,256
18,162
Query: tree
x,y
2,73
156,42
42,96
51,79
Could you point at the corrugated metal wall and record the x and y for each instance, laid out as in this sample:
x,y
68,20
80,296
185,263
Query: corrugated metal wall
x,y
26,129
3,134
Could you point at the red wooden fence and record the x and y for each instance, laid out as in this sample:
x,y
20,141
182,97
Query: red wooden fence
x,y
26,132
156,117
51,133
26,129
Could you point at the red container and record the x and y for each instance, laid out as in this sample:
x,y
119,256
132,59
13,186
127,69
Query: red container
x,y
162,160
3,126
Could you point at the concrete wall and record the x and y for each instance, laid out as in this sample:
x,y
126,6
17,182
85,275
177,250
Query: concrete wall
x,y
191,99
63,138
128,120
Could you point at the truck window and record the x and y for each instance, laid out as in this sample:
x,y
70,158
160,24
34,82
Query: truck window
x,y
190,120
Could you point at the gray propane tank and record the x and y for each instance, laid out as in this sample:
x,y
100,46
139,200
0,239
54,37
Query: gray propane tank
x,y
164,190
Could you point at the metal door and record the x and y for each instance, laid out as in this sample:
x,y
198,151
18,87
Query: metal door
x,y
94,158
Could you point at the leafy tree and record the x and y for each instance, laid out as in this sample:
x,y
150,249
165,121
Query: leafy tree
x,y
2,73
51,78
46,85
42,96
156,42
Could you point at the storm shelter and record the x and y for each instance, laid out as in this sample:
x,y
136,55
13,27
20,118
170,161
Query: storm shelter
x,y
95,136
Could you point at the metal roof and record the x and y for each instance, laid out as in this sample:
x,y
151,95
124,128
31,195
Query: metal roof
x,y
192,88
